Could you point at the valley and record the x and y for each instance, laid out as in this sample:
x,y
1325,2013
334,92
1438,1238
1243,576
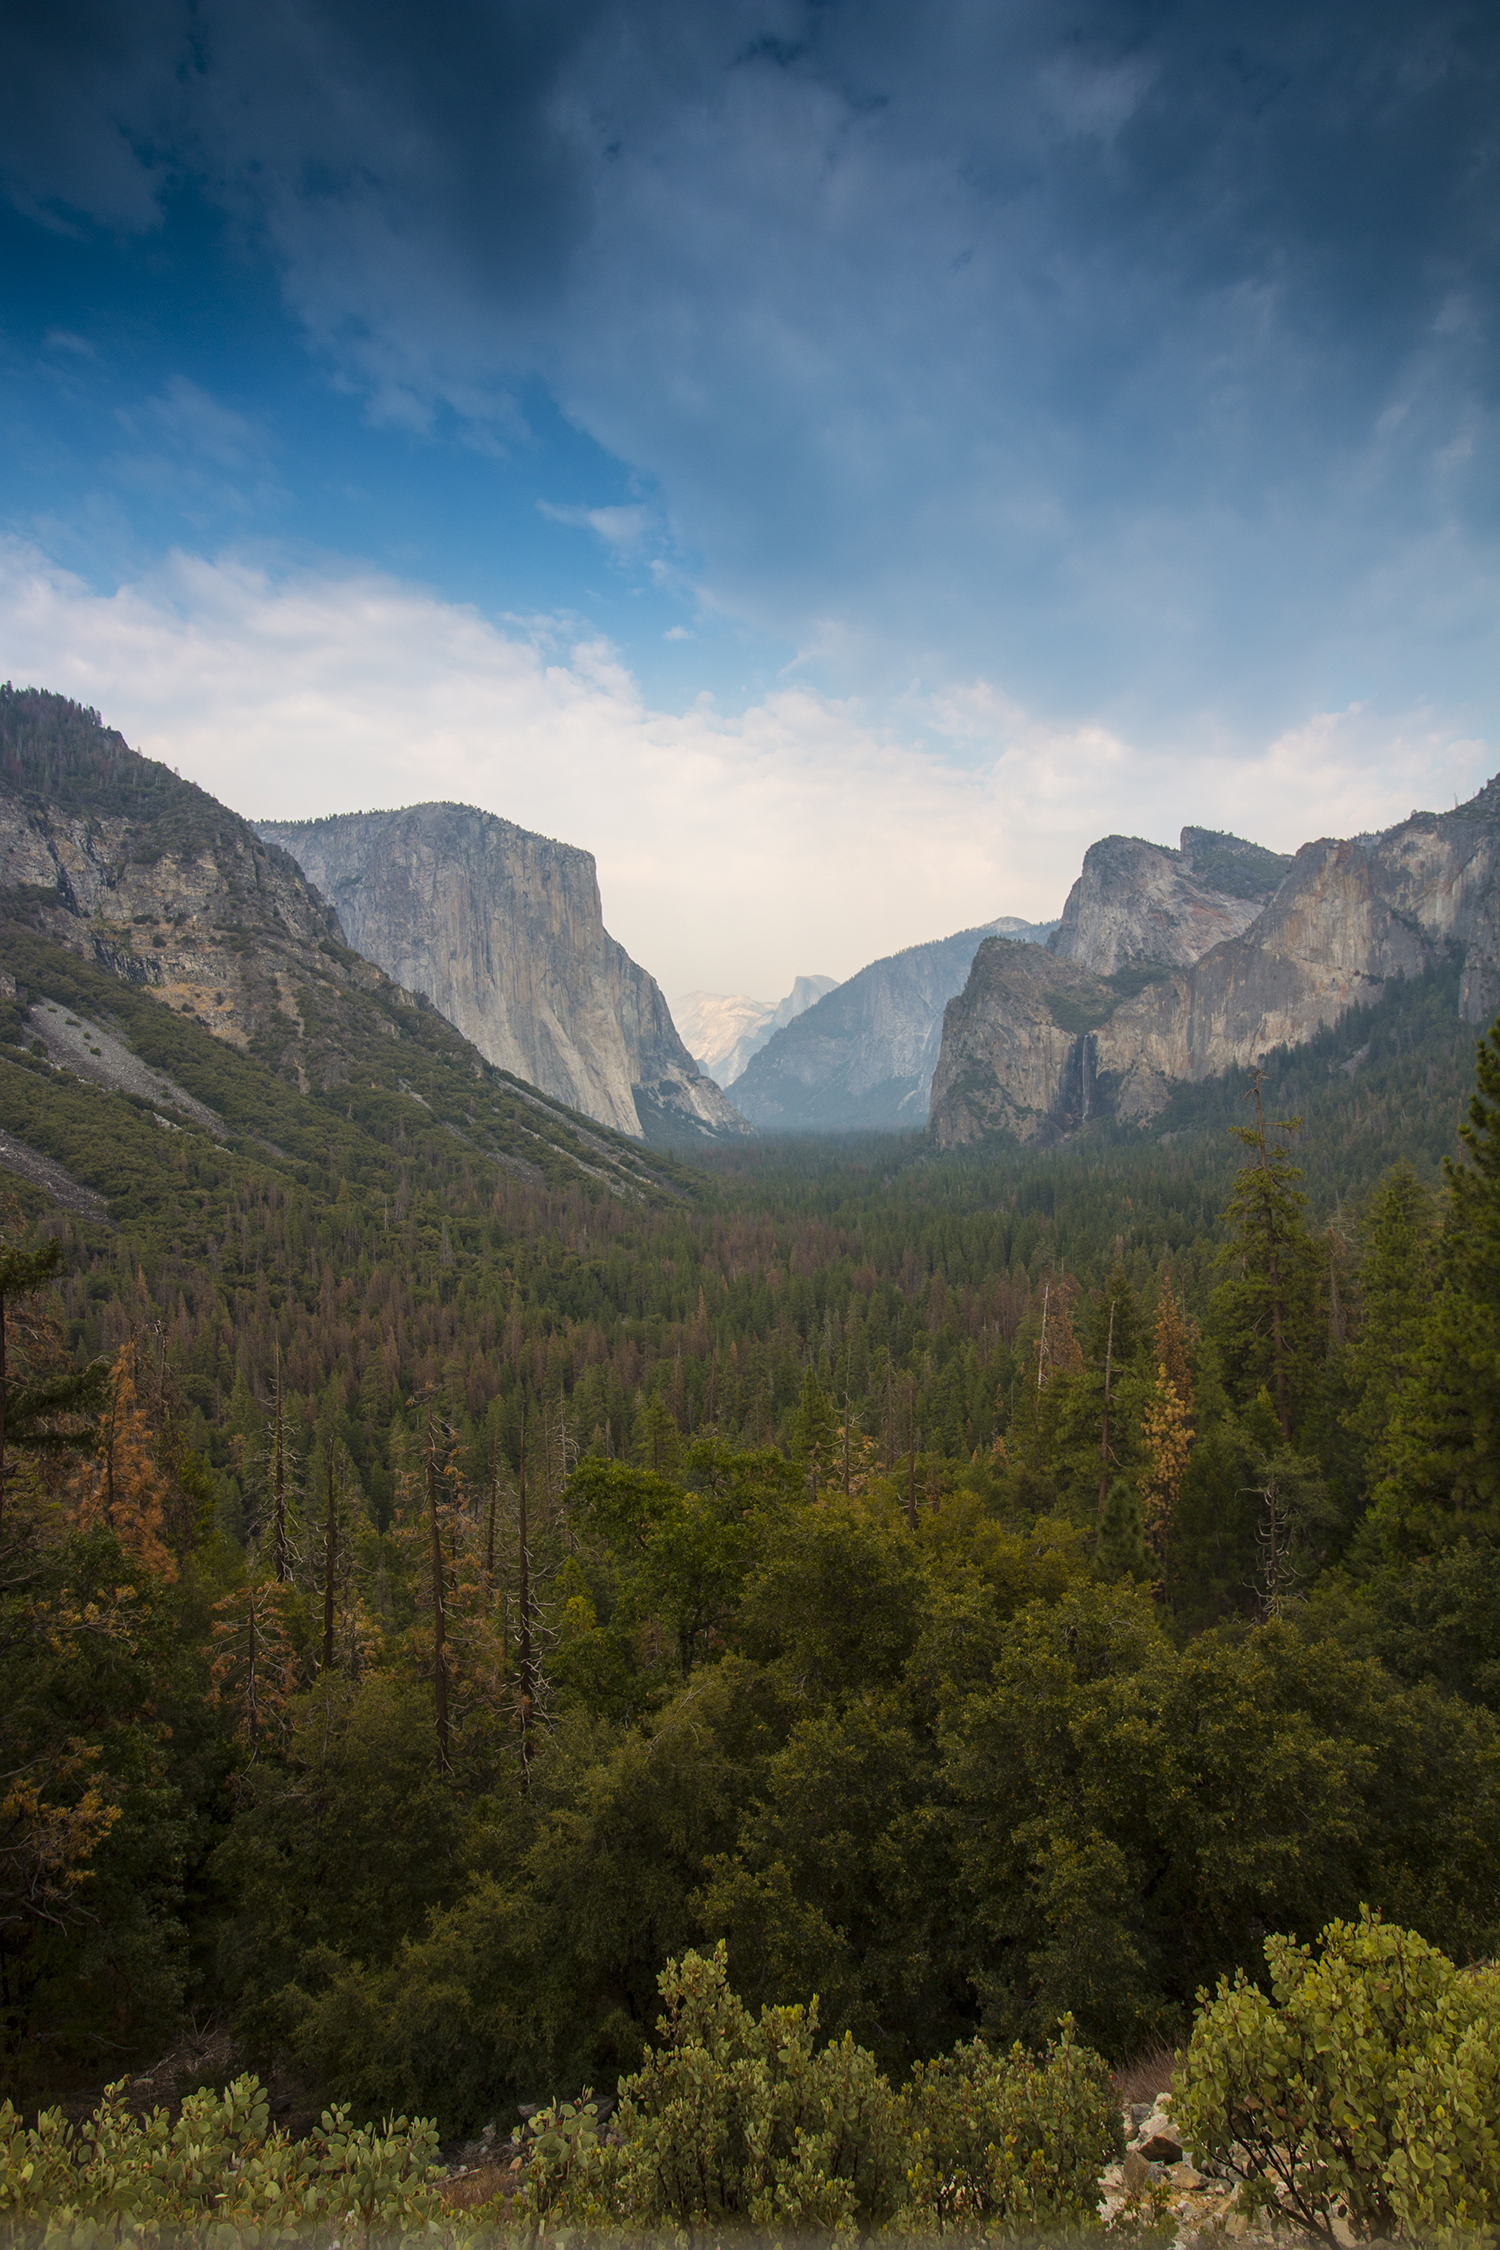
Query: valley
x,y
523,1545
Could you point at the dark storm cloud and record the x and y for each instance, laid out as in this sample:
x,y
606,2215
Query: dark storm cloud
x,y
1111,348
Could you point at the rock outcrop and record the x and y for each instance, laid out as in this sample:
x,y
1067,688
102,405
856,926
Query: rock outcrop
x,y
1347,918
121,860
864,1056
1016,1055
723,1030
1138,904
503,932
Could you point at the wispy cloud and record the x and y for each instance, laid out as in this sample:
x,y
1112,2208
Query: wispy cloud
x,y
733,851
627,531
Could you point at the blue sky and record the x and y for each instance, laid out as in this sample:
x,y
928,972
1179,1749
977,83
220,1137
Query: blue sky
x,y
832,460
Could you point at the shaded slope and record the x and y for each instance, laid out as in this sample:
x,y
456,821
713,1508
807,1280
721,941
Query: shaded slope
x,y
864,1055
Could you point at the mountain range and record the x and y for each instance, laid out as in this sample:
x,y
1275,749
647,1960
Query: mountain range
x,y
439,971
1170,968
863,1057
724,1029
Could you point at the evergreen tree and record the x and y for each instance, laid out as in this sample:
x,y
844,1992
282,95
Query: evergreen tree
x,y
1122,1550
254,1667
1442,1449
817,1442
1394,1298
1267,1313
32,1399
124,1488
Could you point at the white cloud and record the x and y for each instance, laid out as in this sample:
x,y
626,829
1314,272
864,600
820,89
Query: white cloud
x,y
734,852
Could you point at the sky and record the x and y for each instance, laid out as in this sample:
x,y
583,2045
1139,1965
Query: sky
x,y
831,459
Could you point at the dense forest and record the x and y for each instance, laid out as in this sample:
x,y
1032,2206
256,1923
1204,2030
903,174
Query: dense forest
x,y
433,1594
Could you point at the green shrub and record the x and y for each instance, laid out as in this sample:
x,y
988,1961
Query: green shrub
x,y
568,2169
217,2170
1367,2083
1010,2143
734,2122
741,2123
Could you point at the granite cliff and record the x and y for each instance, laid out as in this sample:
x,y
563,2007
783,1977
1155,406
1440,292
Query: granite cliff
x,y
1030,1052
1138,904
503,932
864,1055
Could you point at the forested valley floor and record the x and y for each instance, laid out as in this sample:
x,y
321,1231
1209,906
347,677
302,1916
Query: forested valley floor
x,y
435,1592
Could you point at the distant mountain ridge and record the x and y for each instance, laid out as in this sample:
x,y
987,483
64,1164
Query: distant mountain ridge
x,y
1035,1046
503,931
724,1029
863,1056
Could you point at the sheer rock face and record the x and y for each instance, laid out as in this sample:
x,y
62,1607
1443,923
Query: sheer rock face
x,y
1347,918
864,1055
1016,1057
503,931
1138,903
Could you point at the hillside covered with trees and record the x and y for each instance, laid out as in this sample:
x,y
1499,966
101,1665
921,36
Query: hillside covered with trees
x,y
434,1595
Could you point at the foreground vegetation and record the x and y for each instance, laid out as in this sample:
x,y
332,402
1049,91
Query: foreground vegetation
x,y
978,1593
1358,2095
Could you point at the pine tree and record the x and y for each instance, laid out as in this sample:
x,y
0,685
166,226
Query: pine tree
x,y
123,1487
1394,1292
1166,1429
31,1406
1442,1448
1267,1313
816,1445
658,1441
1121,1549
254,1667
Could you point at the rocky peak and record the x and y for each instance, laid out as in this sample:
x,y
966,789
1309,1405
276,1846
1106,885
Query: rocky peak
x,y
1345,918
116,857
503,931
724,1029
1140,905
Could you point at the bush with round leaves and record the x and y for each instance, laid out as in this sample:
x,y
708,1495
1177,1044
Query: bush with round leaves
x,y
218,2169
1365,2086
739,2121
1010,2144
